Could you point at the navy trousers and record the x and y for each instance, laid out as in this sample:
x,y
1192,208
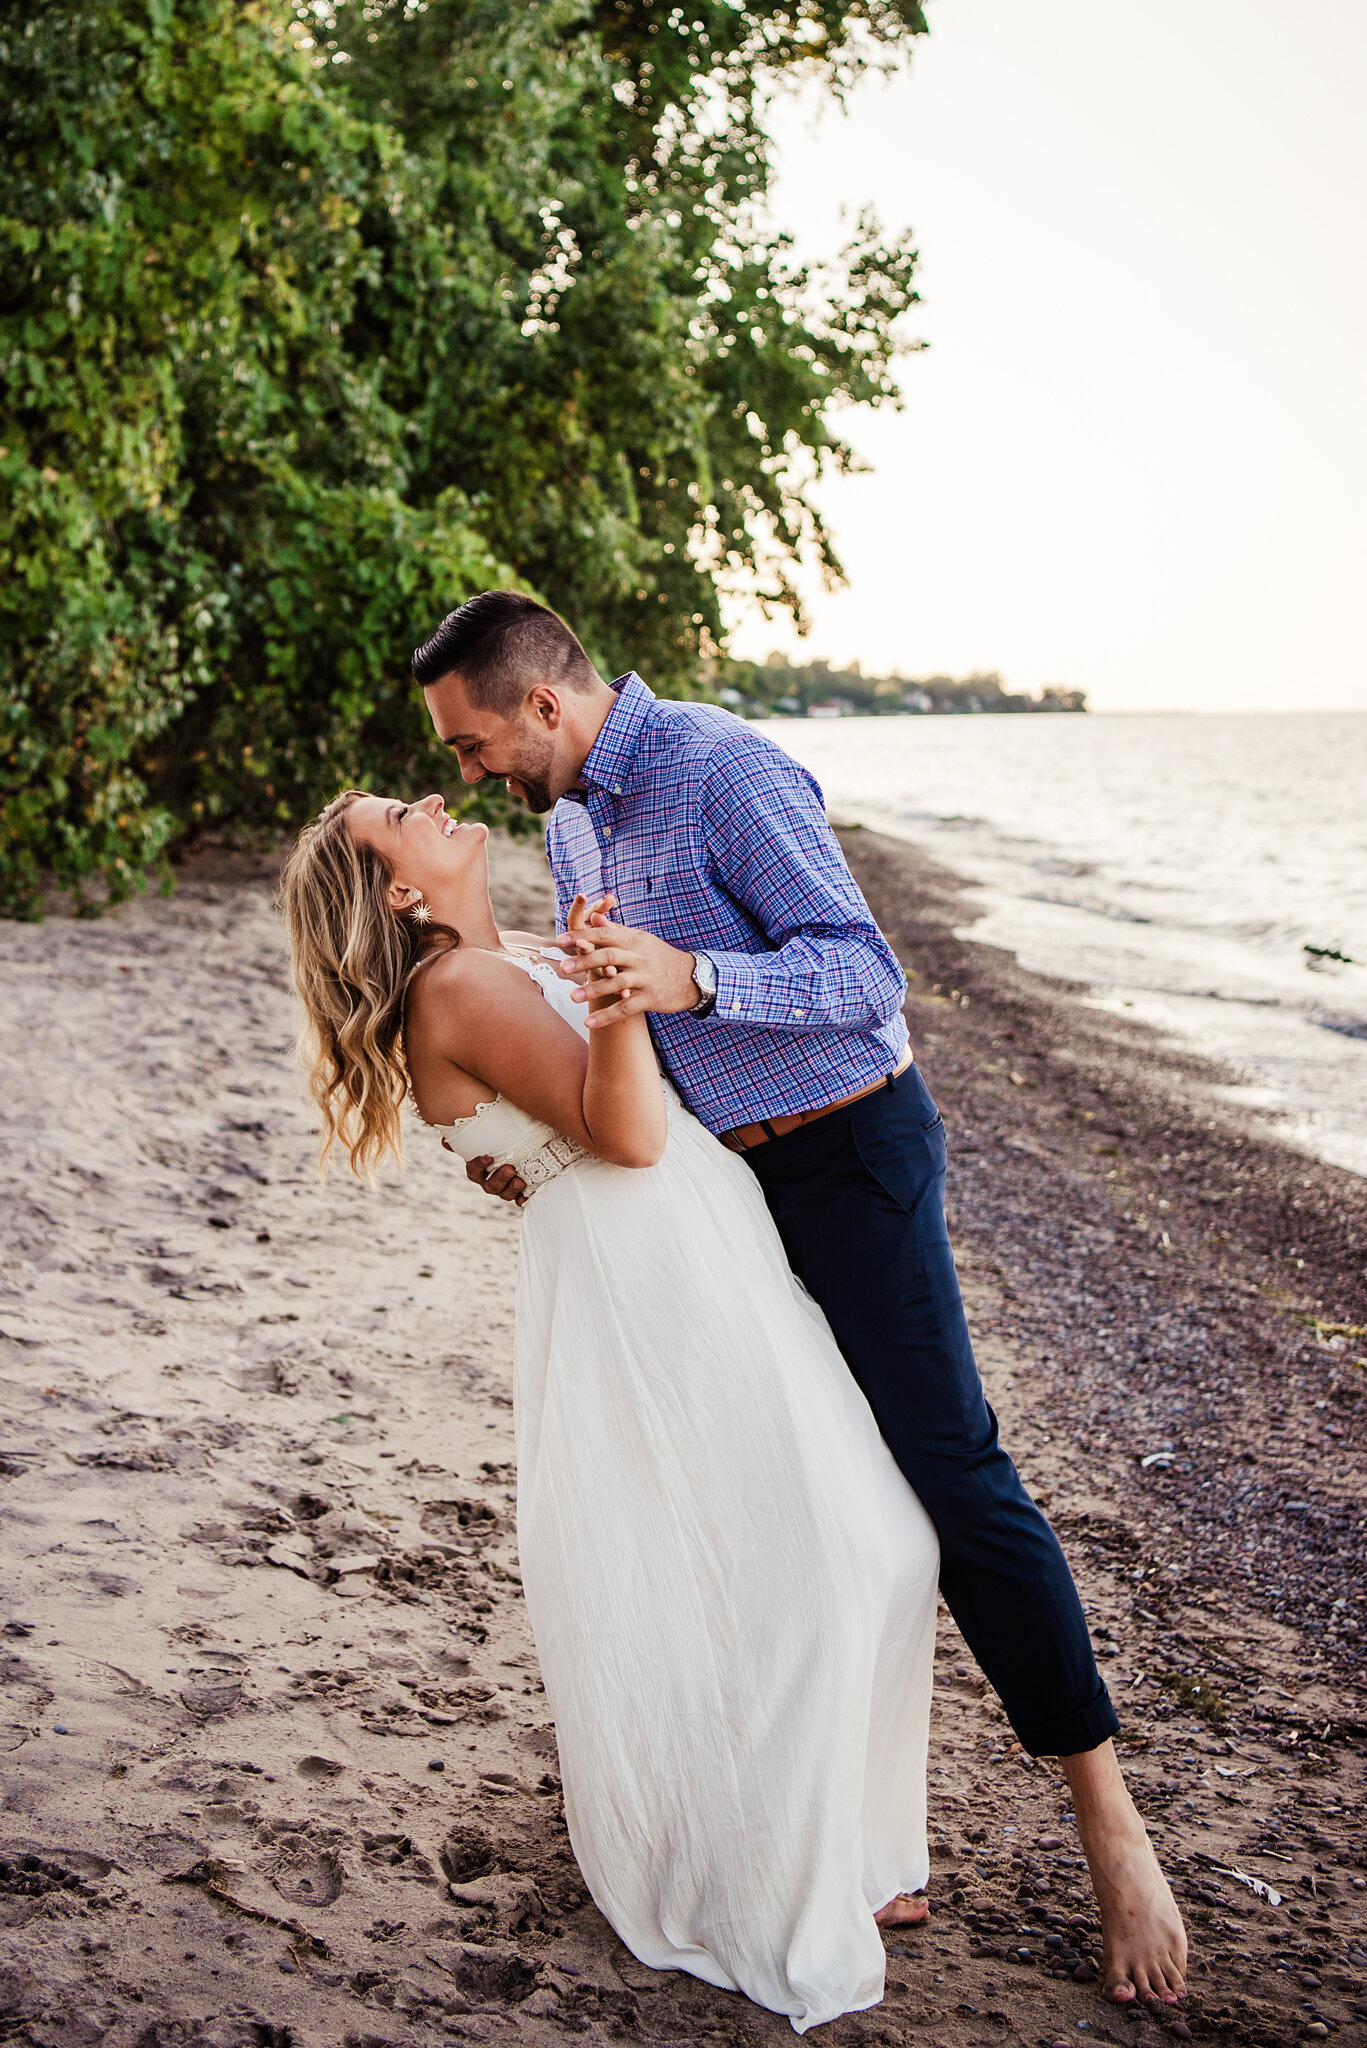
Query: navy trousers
x,y
858,1198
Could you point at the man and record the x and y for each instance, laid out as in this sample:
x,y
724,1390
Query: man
x,y
776,1006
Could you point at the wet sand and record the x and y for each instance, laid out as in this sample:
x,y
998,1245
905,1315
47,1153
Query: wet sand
x,y
274,1762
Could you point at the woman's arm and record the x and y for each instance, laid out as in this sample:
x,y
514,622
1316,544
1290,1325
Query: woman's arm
x,y
479,1024
622,1091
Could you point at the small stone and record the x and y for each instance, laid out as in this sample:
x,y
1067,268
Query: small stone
x,y
60,1728
1180,2030
434,1763
1310,1980
289,1969
1317,2031
1049,1842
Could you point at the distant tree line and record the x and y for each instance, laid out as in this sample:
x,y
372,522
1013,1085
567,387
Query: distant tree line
x,y
773,689
318,315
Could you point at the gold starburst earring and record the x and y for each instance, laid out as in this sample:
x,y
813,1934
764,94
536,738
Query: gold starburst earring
x,y
422,911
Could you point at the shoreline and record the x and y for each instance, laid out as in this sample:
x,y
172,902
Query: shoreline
x,y
1194,881
1234,1078
1193,1239
255,1465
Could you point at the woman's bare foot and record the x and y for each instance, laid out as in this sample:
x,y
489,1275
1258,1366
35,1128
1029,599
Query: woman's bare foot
x,y
905,1910
1144,1944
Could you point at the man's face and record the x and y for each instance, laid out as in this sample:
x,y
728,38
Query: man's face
x,y
525,750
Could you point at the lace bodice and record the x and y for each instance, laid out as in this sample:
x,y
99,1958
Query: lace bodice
x,y
506,1133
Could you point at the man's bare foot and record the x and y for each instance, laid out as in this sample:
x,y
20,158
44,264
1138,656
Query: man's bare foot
x,y
906,1910
1144,1944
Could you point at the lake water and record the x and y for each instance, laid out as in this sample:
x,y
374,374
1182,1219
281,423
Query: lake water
x,y
1181,866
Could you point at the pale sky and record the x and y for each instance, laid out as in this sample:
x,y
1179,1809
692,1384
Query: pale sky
x,y
1134,459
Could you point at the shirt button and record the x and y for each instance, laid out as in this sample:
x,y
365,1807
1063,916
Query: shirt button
x,y
735,1009
607,831
799,1015
617,789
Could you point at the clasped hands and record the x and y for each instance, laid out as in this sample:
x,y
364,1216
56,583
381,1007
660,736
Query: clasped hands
x,y
620,972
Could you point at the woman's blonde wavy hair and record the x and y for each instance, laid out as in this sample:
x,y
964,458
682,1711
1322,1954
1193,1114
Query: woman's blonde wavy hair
x,y
353,959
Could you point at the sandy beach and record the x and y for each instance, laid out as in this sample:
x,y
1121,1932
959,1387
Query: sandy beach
x,y
275,1764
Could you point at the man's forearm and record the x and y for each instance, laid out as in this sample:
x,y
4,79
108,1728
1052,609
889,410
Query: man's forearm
x,y
843,983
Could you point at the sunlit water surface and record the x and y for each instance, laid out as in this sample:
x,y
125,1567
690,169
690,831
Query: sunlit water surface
x,y
1181,866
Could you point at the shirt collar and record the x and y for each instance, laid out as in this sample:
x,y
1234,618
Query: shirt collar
x,y
608,766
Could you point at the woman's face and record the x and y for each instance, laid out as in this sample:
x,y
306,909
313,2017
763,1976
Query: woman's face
x,y
424,848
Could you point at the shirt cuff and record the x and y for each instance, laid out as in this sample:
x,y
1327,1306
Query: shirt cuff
x,y
747,994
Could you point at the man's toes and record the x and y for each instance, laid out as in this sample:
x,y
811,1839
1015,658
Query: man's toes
x,y
1117,1987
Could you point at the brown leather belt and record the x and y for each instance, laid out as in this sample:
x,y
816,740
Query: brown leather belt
x,y
745,1137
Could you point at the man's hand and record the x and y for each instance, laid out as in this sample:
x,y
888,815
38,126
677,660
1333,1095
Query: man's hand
x,y
645,972
501,1181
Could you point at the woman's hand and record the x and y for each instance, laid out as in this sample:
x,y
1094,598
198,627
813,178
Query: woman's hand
x,y
643,972
584,920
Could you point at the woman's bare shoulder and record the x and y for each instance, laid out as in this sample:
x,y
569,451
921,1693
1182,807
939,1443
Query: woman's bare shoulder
x,y
469,968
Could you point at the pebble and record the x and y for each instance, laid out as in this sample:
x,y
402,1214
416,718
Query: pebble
x,y
60,1728
288,1969
1180,2030
1317,2031
1049,1842
434,1763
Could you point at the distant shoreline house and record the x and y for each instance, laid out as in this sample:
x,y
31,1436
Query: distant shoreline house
x,y
774,689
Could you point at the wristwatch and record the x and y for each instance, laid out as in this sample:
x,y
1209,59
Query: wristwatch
x,y
705,981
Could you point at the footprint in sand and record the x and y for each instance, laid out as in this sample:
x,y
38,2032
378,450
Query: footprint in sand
x,y
456,1518
467,1853
305,1875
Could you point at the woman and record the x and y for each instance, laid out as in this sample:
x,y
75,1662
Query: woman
x,y
731,1585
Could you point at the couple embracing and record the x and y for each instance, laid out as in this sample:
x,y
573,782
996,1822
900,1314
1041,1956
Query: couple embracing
x,y
752,1441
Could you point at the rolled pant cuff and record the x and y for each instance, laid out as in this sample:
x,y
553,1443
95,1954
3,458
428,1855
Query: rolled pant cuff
x,y
1085,1728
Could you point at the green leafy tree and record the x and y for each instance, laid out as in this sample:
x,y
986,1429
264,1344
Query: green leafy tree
x,y
315,320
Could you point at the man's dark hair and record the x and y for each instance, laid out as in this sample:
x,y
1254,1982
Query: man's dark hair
x,y
501,645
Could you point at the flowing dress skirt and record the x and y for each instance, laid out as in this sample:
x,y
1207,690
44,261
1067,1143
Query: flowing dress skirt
x,y
731,1585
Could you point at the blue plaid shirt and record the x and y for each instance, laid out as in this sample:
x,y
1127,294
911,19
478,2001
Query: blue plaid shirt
x,y
714,839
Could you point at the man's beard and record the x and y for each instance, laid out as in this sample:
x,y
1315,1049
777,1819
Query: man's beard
x,y
532,773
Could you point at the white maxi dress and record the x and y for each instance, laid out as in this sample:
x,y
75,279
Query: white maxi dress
x,y
731,1585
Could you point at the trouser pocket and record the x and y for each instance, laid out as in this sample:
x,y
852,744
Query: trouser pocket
x,y
899,1137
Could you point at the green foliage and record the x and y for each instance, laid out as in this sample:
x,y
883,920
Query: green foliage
x,y
775,688
314,320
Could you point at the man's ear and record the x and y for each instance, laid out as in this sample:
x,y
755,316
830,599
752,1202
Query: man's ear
x,y
543,704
